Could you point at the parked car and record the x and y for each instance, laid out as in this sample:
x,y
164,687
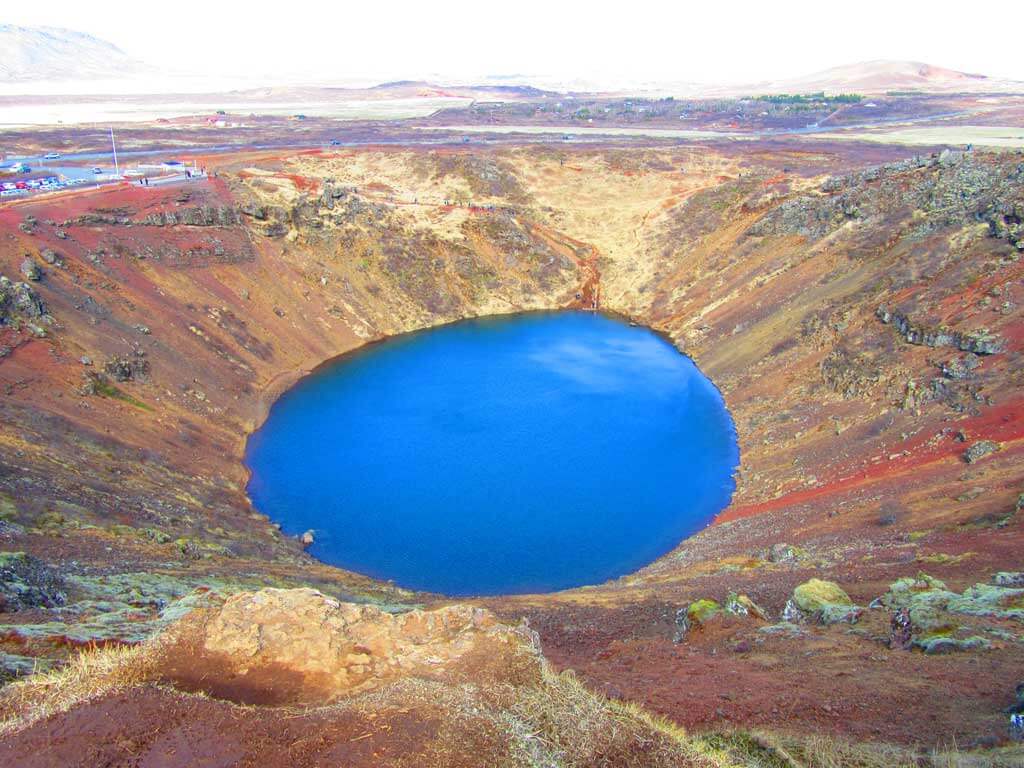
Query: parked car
x,y
52,156
97,169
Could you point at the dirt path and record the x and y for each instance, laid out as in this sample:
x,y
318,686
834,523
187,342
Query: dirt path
x,y
586,257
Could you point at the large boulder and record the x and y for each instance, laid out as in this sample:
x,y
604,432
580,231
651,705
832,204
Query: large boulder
x,y
816,594
278,645
822,601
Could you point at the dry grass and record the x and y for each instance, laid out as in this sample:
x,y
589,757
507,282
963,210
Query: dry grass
x,y
758,749
90,674
563,723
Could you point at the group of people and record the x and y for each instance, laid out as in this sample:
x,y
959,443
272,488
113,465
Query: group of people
x,y
144,181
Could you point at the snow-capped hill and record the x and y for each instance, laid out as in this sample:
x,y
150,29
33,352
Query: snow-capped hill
x,y
52,53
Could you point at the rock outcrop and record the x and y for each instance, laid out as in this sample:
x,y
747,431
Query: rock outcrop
x,y
940,620
18,299
980,343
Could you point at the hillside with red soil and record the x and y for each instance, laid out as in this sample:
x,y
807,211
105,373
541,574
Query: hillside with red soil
x,y
860,310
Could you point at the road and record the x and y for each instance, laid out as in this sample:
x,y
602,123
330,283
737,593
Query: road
x,y
78,166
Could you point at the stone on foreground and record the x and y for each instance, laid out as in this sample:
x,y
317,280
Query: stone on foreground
x,y
290,645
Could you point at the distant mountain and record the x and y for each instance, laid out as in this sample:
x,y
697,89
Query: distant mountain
x,y
52,53
869,77
470,89
887,75
52,60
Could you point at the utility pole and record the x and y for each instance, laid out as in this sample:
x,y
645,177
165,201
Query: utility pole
x,y
117,171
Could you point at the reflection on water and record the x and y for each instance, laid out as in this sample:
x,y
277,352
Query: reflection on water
x,y
609,365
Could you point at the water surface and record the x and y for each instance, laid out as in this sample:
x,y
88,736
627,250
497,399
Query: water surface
x,y
527,453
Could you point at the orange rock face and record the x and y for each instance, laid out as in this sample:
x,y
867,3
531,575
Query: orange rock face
x,y
300,645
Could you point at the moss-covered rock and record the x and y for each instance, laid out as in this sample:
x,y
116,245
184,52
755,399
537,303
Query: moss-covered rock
x,y
990,600
925,596
702,611
194,547
822,601
902,591
815,594
926,600
937,613
939,643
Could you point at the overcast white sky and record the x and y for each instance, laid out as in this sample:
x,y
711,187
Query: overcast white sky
x,y
720,41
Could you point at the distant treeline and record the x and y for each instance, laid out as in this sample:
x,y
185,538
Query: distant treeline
x,y
807,98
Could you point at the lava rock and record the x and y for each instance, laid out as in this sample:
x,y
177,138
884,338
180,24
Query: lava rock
x,y
901,630
980,450
1017,708
783,553
1009,579
959,368
741,605
51,257
27,582
682,623
19,299
127,369
31,270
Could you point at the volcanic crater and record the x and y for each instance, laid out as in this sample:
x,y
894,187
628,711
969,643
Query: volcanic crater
x,y
859,311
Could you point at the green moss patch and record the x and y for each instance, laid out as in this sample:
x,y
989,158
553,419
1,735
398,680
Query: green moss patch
x,y
702,611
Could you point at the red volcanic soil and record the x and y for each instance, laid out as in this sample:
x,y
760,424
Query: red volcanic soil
x,y
154,727
824,680
928,452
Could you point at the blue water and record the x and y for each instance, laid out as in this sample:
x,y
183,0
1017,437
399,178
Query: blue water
x,y
520,454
